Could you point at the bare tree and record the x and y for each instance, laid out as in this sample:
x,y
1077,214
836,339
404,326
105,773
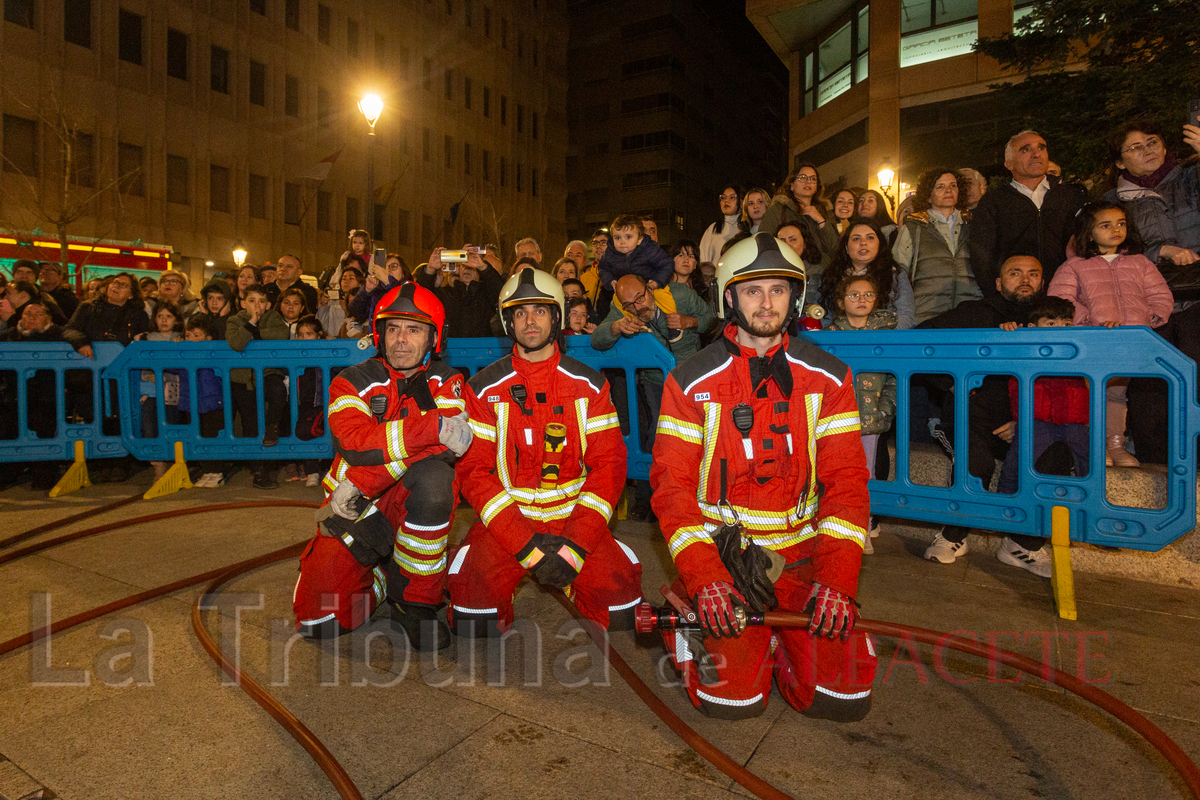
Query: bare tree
x,y
481,210
74,185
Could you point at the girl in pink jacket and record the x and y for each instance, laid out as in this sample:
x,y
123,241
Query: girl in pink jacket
x,y
1111,283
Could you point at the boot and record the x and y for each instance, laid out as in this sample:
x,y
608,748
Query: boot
x,y
425,631
1117,455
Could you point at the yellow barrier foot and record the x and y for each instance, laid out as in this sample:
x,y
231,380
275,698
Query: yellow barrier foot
x,y
1062,581
173,479
76,476
622,511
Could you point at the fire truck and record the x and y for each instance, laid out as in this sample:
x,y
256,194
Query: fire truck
x,y
87,258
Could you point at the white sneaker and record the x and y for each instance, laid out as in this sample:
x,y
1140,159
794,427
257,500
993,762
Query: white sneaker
x,y
944,550
208,481
868,548
874,528
314,479
1035,561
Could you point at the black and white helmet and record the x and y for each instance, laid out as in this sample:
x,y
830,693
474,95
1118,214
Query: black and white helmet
x,y
760,256
531,286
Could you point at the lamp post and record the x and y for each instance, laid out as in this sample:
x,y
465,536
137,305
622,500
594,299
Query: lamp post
x,y
239,254
887,176
371,107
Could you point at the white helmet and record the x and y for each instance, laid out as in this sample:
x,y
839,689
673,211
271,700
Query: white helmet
x,y
531,286
759,256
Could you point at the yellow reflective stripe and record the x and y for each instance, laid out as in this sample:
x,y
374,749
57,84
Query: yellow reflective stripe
x,y
378,584
604,423
547,513
838,423
564,491
328,484
502,446
597,504
687,535
494,506
670,426
342,468
419,565
840,529
451,402
581,418
712,425
421,545
395,440
483,430
395,469
348,401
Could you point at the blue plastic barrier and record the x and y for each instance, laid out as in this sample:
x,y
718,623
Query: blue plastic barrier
x,y
468,355
1027,353
24,360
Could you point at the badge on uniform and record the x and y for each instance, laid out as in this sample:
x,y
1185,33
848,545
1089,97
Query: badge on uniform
x,y
493,398
702,396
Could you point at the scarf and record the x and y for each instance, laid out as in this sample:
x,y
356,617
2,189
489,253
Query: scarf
x,y
1154,178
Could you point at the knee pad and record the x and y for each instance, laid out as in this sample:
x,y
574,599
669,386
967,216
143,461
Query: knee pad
x,y
329,629
471,625
430,483
720,708
838,710
622,620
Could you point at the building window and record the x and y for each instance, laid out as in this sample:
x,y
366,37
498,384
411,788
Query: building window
x,y
487,21
402,55
449,84
520,118
427,74
402,229
426,232
467,92
837,59
177,54
426,136
535,52
129,30
504,32
130,169
20,12
291,95
520,45
466,158
324,202
77,22
351,213
219,70
20,145
533,182
503,171
486,159
535,124
291,203
931,30
518,177
258,84
218,188
324,23
352,38
291,14
377,222
324,112
469,11
449,151
258,196
178,181
503,110
259,7
487,101
83,159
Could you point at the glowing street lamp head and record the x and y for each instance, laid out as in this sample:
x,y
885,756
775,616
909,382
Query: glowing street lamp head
x,y
371,107
239,254
886,175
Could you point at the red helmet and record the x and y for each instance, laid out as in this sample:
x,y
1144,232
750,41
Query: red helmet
x,y
410,301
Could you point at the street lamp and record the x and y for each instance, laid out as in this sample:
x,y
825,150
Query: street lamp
x,y
371,107
887,176
239,254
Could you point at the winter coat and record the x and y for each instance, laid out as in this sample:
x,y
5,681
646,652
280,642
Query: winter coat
x,y
713,240
647,259
1056,400
875,392
784,211
1167,214
687,303
53,333
900,300
1129,290
101,321
239,333
66,299
1007,223
469,308
209,391
941,278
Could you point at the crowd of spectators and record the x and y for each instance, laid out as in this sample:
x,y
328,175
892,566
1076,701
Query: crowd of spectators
x,y
958,252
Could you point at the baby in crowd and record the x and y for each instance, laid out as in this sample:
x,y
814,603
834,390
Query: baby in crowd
x,y
634,253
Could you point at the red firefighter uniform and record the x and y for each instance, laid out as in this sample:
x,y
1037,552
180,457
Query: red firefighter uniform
x,y
385,435
795,476
510,404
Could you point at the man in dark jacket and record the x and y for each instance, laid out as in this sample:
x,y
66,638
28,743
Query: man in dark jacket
x,y
1033,214
989,414
470,299
50,281
288,270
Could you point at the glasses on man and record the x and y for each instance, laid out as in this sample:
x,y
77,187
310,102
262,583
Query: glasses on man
x,y
860,296
1153,143
635,302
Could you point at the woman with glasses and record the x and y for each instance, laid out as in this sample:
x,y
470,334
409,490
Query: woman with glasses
x,y
720,232
800,202
1160,194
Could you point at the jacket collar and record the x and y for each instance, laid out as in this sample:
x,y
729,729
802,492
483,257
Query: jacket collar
x,y
772,365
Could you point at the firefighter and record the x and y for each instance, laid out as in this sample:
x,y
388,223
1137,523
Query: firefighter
x,y
760,487
398,422
544,473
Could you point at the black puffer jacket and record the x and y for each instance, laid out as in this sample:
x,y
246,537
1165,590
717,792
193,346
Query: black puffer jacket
x,y
101,321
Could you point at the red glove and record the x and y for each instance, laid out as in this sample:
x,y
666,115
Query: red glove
x,y
715,607
833,613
